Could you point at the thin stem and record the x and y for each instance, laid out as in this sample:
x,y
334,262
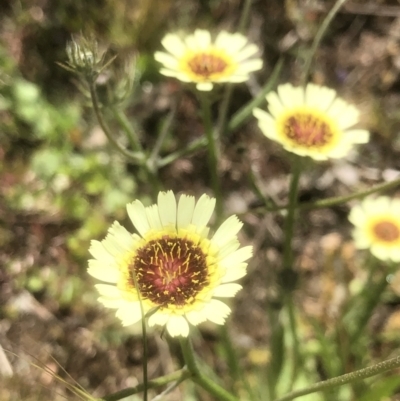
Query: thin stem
x,y
337,200
291,215
179,375
296,343
212,154
223,110
318,37
191,148
241,115
132,157
197,376
344,379
127,126
162,135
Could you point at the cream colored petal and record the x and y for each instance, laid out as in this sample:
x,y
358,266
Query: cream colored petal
x,y
166,59
247,52
186,206
249,66
357,216
108,291
274,104
130,313
342,150
290,96
195,317
174,44
112,303
379,251
357,136
177,326
319,96
361,240
175,74
114,247
228,248
395,254
216,311
233,43
98,251
381,204
233,78
269,130
237,257
122,236
204,86
153,217
167,208
234,273
368,204
227,231
263,116
103,272
203,38
191,42
203,210
159,319
227,290
347,118
137,214
395,207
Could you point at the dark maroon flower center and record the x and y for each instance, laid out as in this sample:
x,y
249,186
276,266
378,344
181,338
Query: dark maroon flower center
x,y
307,130
206,64
387,231
169,271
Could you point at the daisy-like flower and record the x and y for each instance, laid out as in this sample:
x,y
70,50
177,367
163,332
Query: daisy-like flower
x,y
172,265
377,227
311,122
196,58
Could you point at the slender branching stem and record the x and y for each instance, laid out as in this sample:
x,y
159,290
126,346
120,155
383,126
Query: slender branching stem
x,y
199,378
132,135
361,374
318,37
136,158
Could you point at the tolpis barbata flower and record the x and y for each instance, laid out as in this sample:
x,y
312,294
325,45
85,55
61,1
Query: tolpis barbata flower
x,y
179,271
311,122
377,227
197,58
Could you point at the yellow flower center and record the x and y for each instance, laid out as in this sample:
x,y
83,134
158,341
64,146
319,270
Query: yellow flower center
x,y
205,64
208,65
170,271
386,231
308,128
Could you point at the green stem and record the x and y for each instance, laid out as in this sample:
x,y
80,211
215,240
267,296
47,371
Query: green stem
x,y
127,126
344,379
242,114
296,344
212,154
291,215
337,200
207,384
132,157
318,37
179,375
191,148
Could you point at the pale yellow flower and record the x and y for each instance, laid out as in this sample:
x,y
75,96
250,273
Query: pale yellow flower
x,y
311,122
377,227
197,58
178,269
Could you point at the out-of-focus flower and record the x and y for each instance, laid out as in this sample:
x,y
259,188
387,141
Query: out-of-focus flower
x,y
196,58
377,227
311,122
172,265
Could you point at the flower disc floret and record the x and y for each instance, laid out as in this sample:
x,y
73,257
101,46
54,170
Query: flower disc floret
x,y
311,122
173,268
197,58
377,227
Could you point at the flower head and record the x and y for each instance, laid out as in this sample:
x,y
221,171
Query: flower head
x,y
172,266
377,227
311,122
198,59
